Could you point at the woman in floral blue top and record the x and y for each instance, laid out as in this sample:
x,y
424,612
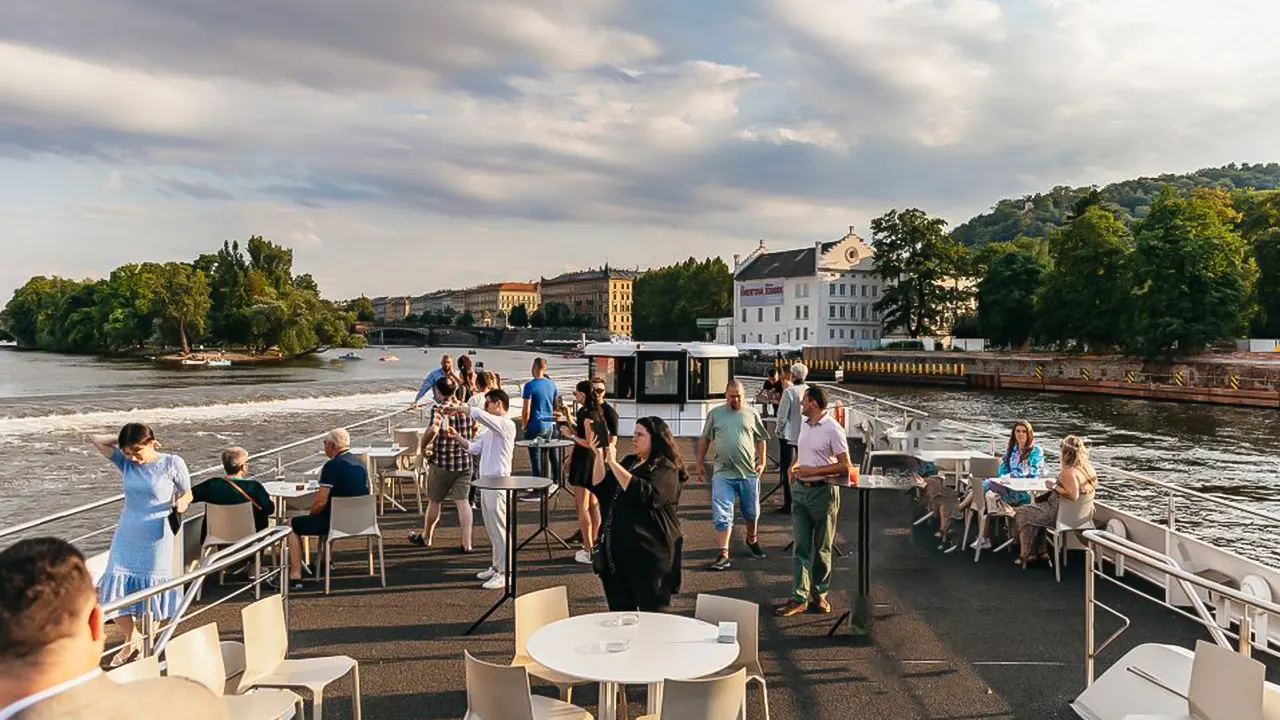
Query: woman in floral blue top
x,y
1021,459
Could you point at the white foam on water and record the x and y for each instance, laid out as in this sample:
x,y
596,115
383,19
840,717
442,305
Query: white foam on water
x,y
111,420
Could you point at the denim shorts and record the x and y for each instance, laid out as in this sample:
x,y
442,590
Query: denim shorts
x,y
723,493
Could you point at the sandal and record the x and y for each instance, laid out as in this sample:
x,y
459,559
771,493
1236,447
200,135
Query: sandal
x,y
416,538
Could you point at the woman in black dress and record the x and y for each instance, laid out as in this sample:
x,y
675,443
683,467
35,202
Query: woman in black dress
x,y
640,536
582,462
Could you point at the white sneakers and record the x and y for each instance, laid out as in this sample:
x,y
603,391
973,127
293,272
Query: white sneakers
x,y
495,582
486,574
583,557
981,544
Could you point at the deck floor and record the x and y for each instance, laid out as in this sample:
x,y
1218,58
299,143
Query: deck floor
x,y
950,639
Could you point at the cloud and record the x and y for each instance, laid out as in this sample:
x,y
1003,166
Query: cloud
x,y
640,131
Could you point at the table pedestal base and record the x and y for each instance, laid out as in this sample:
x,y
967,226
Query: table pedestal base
x,y
509,588
612,693
859,615
544,527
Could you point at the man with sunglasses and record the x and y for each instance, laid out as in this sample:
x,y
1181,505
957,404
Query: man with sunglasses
x,y
235,488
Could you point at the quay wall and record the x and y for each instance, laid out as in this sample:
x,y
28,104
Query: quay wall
x,y
1237,379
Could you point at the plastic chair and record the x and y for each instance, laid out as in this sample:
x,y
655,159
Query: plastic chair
x,y
227,525
1073,516
716,609
196,655
147,668
266,645
501,692
722,698
232,664
534,611
353,517
1224,686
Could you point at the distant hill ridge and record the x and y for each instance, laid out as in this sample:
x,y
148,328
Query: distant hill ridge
x,y
1011,217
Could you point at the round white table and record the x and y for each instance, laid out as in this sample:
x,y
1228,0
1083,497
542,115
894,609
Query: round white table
x,y
661,647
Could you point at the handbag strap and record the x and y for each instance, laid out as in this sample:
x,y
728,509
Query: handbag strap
x,y
240,490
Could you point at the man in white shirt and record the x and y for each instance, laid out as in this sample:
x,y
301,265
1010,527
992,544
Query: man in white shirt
x,y
51,641
822,466
494,446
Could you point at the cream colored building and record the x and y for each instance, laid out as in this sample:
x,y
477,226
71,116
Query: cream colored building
x,y
604,295
491,305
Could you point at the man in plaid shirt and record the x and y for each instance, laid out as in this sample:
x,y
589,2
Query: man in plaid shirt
x,y
449,473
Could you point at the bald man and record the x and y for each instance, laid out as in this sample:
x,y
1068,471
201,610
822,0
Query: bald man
x,y
737,435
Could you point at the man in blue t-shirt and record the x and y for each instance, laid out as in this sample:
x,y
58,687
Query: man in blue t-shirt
x,y
444,371
538,415
342,476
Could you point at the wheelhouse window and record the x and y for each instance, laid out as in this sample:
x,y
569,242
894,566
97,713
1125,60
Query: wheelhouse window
x,y
660,379
619,375
708,377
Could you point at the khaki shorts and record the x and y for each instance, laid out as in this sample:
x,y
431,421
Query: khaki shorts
x,y
452,484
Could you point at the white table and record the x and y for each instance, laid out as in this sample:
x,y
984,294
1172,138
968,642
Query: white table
x,y
662,646
288,490
1030,484
945,455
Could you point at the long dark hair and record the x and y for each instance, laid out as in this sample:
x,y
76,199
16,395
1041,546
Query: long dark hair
x,y
1013,440
467,373
134,434
662,444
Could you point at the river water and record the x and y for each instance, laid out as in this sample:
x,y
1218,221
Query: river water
x,y
49,402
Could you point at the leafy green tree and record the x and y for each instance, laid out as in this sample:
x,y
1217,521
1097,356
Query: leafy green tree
x,y
363,308
920,265
28,309
1266,252
553,315
1086,294
519,316
538,318
982,256
669,300
1193,274
183,302
130,305
274,263
1006,298
466,319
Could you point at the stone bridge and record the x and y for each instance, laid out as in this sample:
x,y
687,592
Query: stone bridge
x,y
429,335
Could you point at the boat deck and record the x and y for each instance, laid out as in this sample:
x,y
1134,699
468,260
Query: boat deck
x,y
951,638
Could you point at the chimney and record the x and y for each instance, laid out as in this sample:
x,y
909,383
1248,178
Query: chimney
x,y
737,262
850,229
817,256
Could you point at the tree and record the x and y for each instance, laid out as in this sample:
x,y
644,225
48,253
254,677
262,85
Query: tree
x,y
552,315
466,319
1086,294
920,265
519,316
1193,274
1006,298
273,263
183,302
363,308
669,300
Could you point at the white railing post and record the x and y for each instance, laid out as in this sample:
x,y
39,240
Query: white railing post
x,y
1088,613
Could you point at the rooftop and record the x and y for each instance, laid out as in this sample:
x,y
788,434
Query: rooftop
x,y
950,638
594,274
784,264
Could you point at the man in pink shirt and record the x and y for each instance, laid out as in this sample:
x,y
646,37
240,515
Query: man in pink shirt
x,y
822,465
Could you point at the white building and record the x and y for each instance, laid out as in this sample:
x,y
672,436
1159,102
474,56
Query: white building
x,y
823,295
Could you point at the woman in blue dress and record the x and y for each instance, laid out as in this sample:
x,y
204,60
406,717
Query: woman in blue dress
x,y
142,548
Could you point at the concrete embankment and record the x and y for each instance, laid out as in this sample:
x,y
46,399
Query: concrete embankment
x,y
1248,379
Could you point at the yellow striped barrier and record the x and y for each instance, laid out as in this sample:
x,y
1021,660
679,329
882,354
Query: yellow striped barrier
x,y
1130,376
1235,382
1178,379
1084,373
1039,372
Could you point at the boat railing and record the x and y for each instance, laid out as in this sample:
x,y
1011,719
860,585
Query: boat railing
x,y
365,428
1245,641
1174,491
155,632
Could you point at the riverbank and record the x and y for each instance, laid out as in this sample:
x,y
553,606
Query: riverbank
x,y
1242,379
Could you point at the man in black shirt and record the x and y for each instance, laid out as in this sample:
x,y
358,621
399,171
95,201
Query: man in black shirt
x,y
342,476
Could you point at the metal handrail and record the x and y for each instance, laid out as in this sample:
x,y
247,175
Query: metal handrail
x,y
105,502
1127,474
1166,565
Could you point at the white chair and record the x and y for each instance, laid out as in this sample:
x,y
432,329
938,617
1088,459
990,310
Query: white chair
x,y
501,692
196,655
351,518
534,611
716,609
232,664
721,698
1073,517
266,645
146,668
1224,686
980,469
227,525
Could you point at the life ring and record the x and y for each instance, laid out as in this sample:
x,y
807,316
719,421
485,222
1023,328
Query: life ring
x,y
1258,587
1116,527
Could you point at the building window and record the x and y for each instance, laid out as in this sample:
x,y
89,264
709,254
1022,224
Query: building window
x,y
842,288
864,291
744,315
618,375
806,334
759,337
832,291
744,337
806,312
832,314
842,312
776,338
832,334
875,290
864,312
759,314
797,312
797,289
777,314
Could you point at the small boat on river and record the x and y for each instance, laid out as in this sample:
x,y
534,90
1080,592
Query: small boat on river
x,y
350,356
388,358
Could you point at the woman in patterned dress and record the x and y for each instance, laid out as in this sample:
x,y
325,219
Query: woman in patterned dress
x,y
1076,481
142,548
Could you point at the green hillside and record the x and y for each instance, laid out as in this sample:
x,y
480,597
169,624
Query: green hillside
x,y
1011,217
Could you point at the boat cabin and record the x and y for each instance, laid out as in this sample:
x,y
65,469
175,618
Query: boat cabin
x,y
678,382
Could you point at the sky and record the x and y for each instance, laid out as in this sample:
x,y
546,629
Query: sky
x,y
403,146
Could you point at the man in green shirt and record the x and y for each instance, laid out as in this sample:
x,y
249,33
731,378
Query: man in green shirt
x,y
235,489
738,436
